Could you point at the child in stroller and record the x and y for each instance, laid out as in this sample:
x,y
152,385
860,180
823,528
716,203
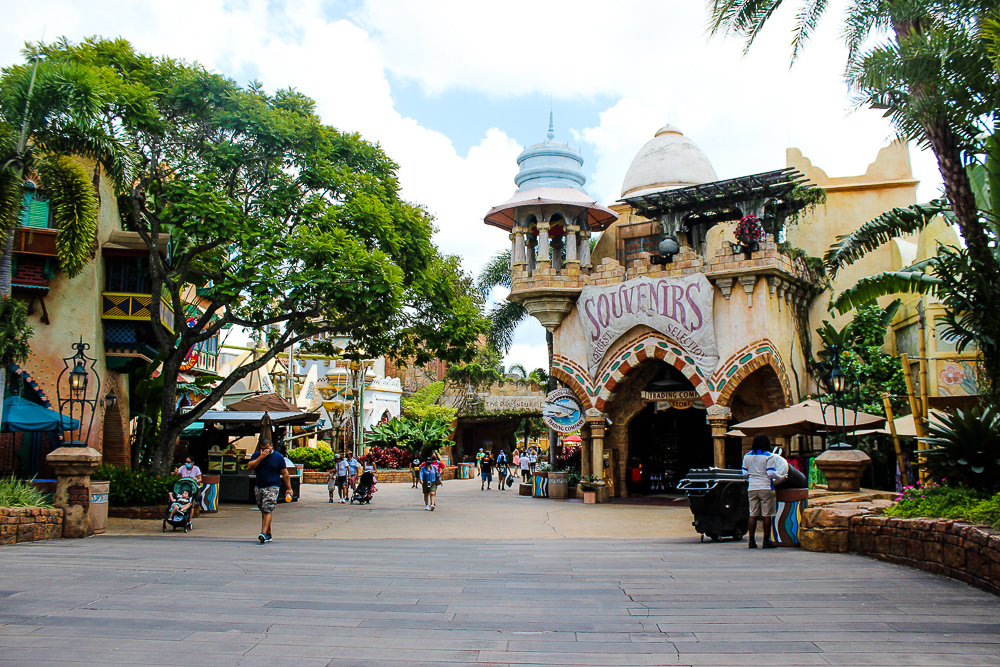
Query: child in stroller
x,y
365,490
182,500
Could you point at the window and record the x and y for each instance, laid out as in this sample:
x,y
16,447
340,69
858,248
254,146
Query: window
x,y
35,211
127,274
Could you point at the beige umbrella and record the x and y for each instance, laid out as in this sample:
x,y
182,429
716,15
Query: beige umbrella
x,y
807,418
905,428
736,434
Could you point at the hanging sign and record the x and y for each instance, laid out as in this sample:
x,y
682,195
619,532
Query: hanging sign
x,y
670,395
679,308
562,411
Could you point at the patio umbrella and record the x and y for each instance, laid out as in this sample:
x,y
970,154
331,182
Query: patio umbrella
x,y
905,428
807,418
22,415
572,438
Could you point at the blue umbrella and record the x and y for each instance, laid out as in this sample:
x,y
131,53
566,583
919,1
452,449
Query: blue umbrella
x,y
22,415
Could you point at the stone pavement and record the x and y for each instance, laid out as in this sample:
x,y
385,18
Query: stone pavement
x,y
199,599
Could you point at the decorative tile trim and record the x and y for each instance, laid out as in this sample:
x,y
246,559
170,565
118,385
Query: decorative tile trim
x,y
748,359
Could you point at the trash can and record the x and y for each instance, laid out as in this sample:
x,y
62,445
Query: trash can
x,y
719,502
792,498
99,506
210,493
558,485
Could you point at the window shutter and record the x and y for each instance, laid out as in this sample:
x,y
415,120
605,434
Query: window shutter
x,y
34,212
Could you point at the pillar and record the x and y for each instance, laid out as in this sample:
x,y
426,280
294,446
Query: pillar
x,y
531,242
718,419
543,260
572,256
517,253
557,245
583,243
73,466
585,452
596,421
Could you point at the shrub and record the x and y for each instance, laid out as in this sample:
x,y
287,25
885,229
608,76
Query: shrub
x,y
393,458
937,501
131,488
16,492
312,458
965,448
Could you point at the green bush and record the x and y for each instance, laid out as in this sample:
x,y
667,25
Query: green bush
x,y
135,488
16,492
312,458
935,501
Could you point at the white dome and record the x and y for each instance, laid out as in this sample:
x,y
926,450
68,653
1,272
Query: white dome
x,y
668,160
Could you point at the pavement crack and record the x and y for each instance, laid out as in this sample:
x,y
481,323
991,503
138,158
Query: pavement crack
x,y
255,645
548,516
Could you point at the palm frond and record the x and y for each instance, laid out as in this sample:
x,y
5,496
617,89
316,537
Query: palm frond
x,y
496,273
504,318
851,247
519,369
805,24
884,284
74,210
11,196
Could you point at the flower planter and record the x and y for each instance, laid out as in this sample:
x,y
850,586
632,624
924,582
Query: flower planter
x,y
590,497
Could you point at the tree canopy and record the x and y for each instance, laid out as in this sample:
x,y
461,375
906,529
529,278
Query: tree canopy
x,y
280,221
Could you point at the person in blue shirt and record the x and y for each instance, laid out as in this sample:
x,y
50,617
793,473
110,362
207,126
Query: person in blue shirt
x,y
269,466
430,478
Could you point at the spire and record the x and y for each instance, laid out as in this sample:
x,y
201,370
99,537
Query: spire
x,y
551,135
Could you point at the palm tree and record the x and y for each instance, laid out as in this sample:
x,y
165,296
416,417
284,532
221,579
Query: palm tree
x,y
48,114
935,78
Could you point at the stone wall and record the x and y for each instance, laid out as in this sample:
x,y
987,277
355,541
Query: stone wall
x,y
149,512
29,524
957,550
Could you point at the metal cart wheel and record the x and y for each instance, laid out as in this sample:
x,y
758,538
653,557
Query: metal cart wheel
x,y
164,526
714,537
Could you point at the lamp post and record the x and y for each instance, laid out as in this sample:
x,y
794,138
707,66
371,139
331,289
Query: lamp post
x,y
358,370
76,368
842,464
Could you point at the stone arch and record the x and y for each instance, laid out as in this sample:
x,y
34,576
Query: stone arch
x,y
575,377
747,361
632,353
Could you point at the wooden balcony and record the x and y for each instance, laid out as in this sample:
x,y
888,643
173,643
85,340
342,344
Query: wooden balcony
x,y
134,307
35,241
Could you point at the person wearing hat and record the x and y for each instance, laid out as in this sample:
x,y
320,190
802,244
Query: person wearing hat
x,y
480,455
331,480
415,467
760,469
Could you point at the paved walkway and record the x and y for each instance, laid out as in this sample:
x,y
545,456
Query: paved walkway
x,y
200,599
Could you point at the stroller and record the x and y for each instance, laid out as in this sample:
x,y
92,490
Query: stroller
x,y
183,520
365,489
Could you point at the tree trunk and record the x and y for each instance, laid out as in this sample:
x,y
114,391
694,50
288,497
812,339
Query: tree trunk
x,y
553,436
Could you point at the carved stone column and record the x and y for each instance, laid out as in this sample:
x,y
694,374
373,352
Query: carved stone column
x,y
584,250
543,261
531,242
596,421
517,253
557,245
571,245
585,452
718,419
73,466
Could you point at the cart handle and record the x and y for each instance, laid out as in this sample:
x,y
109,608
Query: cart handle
x,y
687,486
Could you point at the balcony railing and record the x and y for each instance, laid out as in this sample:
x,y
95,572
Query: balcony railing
x,y
34,241
134,308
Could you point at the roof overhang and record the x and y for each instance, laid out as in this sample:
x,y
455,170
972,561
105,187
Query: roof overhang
x,y
569,201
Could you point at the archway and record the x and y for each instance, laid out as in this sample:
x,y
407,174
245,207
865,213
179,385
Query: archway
x,y
759,393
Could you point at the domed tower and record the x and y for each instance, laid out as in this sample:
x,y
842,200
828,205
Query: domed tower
x,y
550,218
668,160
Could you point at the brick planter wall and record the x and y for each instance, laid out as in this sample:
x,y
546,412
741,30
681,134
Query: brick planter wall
x,y
150,512
29,524
958,550
384,476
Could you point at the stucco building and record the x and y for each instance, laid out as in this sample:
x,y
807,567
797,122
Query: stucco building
x,y
666,346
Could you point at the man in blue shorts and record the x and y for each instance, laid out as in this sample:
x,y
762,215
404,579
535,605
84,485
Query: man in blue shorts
x,y
269,466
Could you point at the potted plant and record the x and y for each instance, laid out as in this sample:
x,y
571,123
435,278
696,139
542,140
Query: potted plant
x,y
750,234
588,485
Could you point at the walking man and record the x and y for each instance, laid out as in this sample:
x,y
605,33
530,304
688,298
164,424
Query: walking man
x,y
430,479
343,471
759,467
270,469
486,466
354,471
480,455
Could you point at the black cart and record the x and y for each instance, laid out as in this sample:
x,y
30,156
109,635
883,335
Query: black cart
x,y
719,502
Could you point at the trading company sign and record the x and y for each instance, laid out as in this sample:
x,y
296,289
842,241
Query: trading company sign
x,y
562,412
679,308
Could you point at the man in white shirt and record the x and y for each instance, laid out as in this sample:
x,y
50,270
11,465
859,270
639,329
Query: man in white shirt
x,y
343,471
759,468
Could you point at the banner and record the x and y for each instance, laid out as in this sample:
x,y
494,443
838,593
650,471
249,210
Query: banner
x,y
679,308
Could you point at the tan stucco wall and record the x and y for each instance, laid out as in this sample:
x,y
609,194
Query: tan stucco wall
x,y
74,308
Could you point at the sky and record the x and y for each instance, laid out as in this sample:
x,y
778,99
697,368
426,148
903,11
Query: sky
x,y
454,91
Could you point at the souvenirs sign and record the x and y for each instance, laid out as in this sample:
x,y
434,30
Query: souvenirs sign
x,y
679,308
562,411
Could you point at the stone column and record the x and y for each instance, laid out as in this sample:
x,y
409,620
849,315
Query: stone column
x,y
73,466
595,419
557,244
585,451
531,242
517,253
571,245
584,250
718,419
543,260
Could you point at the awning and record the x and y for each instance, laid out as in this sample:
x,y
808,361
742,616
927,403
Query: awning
x,y
20,415
809,418
570,199
193,429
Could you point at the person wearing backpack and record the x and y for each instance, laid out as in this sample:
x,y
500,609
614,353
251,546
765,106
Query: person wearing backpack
x,y
430,479
760,468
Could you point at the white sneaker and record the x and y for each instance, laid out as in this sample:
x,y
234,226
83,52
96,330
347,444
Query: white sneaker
x,y
427,507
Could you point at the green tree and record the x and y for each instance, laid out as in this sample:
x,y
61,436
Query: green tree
x,y
51,113
281,222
